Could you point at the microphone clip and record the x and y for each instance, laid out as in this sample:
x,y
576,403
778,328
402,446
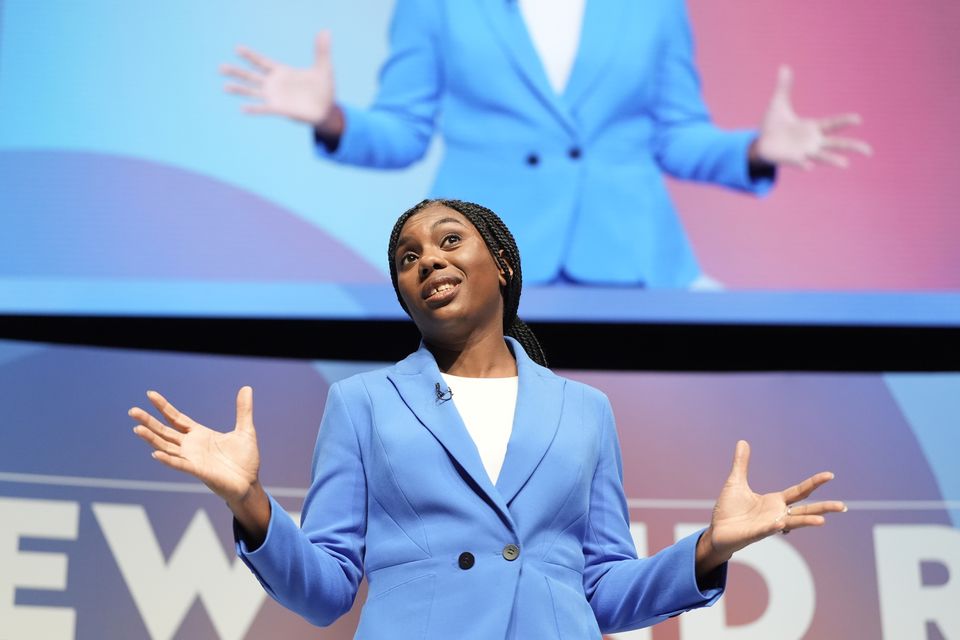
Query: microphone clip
x,y
442,396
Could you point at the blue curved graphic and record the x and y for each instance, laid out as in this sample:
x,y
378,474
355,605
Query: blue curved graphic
x,y
91,215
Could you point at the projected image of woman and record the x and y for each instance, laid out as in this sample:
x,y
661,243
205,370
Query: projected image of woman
x,y
561,116
479,493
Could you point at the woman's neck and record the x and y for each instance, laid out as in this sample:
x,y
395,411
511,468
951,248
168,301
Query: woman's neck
x,y
477,357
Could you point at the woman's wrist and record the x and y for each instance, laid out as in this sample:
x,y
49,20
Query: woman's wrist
x,y
708,557
252,512
758,167
329,129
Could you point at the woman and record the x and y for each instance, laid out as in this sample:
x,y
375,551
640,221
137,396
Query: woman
x,y
408,489
561,116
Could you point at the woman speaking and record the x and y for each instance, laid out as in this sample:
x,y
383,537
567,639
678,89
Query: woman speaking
x,y
480,493
563,116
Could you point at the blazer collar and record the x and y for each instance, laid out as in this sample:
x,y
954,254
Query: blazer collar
x,y
599,39
598,43
535,422
508,25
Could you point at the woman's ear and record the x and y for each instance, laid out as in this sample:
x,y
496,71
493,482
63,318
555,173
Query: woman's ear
x,y
505,277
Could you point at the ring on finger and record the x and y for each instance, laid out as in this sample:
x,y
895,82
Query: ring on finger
x,y
785,513
788,512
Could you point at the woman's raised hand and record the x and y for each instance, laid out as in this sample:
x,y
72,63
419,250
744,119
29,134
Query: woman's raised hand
x,y
228,463
786,138
742,517
305,95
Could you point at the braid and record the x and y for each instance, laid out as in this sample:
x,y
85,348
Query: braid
x,y
524,335
498,239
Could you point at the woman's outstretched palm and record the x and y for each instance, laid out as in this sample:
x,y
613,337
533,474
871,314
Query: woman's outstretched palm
x,y
742,517
228,463
787,138
302,94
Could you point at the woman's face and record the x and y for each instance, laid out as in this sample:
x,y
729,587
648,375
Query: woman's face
x,y
447,277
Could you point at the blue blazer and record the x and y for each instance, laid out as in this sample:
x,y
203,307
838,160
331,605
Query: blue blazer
x,y
399,493
577,177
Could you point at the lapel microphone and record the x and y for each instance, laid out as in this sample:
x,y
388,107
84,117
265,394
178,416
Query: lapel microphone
x,y
443,396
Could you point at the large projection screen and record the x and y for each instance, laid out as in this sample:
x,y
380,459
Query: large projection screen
x,y
131,184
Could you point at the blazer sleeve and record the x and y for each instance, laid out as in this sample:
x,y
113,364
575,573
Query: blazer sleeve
x,y
396,129
626,592
687,145
315,569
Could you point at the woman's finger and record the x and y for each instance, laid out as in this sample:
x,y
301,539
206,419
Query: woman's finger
x,y
243,90
818,508
258,60
784,83
832,159
847,144
833,123
741,462
245,409
803,489
799,522
154,425
261,109
321,48
179,421
174,462
155,441
241,74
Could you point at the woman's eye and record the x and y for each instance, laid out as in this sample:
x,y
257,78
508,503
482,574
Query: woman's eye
x,y
452,238
407,258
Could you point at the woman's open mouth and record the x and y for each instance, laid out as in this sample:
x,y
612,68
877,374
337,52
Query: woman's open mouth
x,y
440,290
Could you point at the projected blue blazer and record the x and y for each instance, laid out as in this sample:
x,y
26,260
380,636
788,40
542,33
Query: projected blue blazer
x,y
577,177
399,493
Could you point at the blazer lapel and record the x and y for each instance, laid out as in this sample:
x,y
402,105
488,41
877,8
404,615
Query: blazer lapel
x,y
602,29
508,25
415,379
535,422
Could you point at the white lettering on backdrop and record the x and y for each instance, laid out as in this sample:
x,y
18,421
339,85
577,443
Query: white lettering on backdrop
x,y
164,590
21,518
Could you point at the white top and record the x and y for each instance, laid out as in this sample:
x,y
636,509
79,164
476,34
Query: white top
x,y
486,406
554,27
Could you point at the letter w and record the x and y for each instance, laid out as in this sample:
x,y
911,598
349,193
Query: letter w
x,y
165,591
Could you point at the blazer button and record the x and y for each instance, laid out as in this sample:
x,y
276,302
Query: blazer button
x,y
574,153
511,552
533,159
465,560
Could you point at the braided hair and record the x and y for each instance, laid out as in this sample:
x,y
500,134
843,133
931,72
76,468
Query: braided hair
x,y
497,238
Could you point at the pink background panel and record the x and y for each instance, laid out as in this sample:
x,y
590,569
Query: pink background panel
x,y
887,222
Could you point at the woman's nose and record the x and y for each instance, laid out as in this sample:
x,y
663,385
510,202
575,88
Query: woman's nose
x,y
430,263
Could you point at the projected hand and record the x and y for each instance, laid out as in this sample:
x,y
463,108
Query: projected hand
x,y
742,517
228,463
305,95
786,138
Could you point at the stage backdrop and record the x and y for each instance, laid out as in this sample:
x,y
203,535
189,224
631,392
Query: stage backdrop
x,y
98,541
131,184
